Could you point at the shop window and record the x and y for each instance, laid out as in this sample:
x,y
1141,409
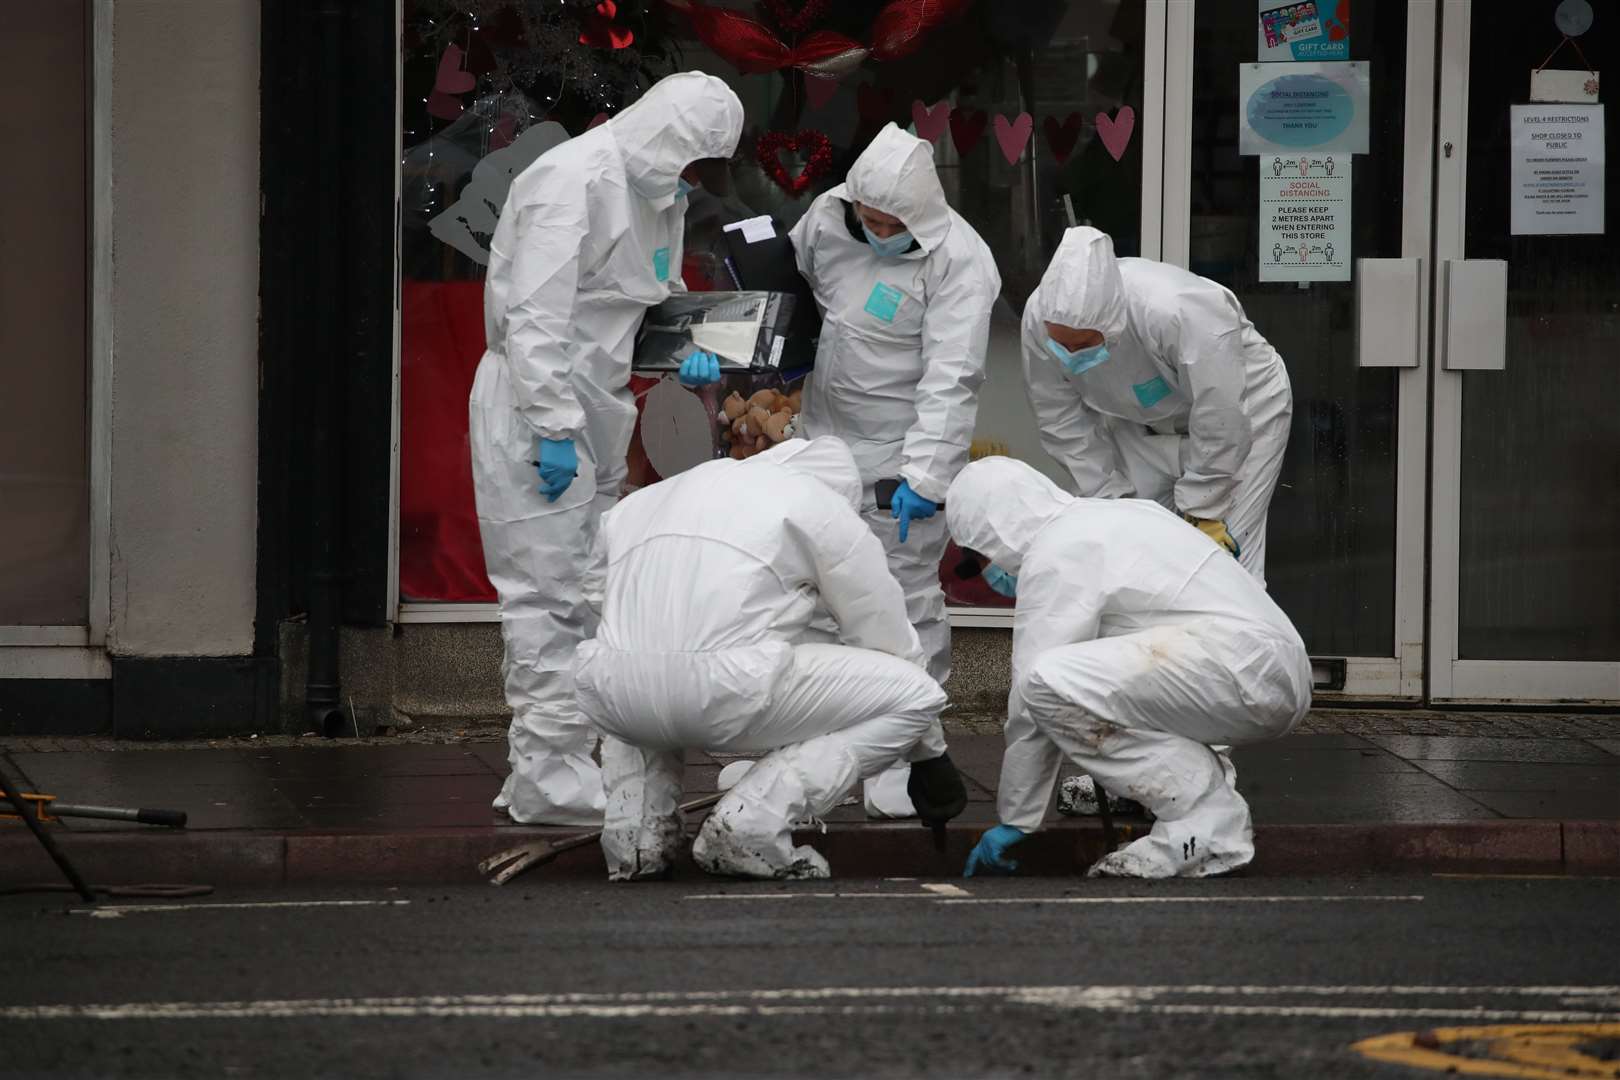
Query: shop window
x,y
1042,99
44,430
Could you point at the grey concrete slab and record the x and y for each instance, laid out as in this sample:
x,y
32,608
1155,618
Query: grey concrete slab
x,y
1282,761
391,791
1469,748
1611,746
1511,776
1565,805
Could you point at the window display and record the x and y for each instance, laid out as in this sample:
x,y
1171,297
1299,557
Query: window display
x,y
1031,110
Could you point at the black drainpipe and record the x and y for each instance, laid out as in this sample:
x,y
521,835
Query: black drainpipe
x,y
323,698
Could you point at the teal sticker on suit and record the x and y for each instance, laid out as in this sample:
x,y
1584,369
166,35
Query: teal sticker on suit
x,y
1152,392
661,263
884,301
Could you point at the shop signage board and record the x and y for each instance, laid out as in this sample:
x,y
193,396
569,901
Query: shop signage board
x,y
1305,218
1557,169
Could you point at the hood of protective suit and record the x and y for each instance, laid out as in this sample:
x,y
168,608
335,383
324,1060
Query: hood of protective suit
x,y
1082,288
895,174
997,506
826,459
680,119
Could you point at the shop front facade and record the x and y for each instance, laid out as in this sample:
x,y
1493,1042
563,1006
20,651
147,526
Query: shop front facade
x,y
1368,188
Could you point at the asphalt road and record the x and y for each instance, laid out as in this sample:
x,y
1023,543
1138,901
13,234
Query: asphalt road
x,y
1260,978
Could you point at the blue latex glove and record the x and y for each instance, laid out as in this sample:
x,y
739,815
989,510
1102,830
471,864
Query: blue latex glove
x,y
559,464
700,369
909,506
989,855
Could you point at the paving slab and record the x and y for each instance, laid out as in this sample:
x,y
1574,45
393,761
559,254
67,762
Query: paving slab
x,y
1476,748
1514,776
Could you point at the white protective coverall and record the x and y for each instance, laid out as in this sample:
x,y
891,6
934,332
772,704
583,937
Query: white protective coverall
x,y
1191,409
1137,643
703,610
899,365
590,238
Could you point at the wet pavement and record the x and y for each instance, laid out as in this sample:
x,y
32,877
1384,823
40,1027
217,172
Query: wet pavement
x,y
1325,778
894,978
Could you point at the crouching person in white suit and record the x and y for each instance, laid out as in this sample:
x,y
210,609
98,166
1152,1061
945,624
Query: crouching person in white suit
x,y
1137,645
709,580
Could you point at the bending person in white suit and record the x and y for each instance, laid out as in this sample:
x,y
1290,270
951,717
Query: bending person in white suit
x,y
1149,381
1137,646
702,615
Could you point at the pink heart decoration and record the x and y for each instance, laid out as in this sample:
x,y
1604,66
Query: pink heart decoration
x,y
1116,132
597,120
931,123
451,79
1013,134
819,90
444,106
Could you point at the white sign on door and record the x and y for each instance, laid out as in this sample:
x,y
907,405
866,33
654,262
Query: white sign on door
x,y
1558,167
1305,218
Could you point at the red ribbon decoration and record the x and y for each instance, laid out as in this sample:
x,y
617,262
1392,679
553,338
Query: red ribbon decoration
x,y
797,22
754,49
902,25
768,153
751,47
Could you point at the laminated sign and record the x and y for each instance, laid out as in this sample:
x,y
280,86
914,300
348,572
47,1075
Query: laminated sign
x,y
1558,163
1305,218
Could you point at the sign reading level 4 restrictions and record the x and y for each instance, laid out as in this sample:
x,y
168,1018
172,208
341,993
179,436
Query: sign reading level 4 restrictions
x,y
1558,164
1305,218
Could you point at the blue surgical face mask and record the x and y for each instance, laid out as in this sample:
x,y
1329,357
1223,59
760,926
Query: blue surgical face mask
x,y
1079,361
682,188
891,248
1004,583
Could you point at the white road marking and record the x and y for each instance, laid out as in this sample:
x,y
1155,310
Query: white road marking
x,y
814,896
945,893
1348,898
865,1000
118,911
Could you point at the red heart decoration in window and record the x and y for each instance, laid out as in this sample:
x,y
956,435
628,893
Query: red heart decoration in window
x,y
1062,137
768,153
601,33
967,128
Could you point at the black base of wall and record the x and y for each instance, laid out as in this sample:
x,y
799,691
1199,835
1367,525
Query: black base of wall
x,y
56,707
149,698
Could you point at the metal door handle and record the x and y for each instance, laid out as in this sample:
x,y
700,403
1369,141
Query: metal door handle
x,y
1476,315
1389,312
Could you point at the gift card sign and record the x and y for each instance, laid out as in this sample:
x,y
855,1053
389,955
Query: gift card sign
x,y
1304,30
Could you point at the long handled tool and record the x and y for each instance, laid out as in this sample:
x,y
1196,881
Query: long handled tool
x,y
503,866
14,797
49,808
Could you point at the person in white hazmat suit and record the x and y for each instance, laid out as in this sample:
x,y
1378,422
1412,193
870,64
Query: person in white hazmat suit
x,y
1149,381
702,644
905,286
589,239
1137,644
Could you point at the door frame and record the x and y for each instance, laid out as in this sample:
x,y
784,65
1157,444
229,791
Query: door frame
x,y
1452,678
1399,676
